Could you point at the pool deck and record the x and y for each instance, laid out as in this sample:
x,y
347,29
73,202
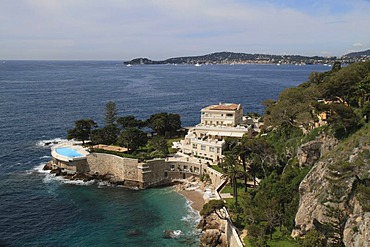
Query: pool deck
x,y
75,152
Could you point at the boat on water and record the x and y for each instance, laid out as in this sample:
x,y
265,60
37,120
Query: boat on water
x,y
198,65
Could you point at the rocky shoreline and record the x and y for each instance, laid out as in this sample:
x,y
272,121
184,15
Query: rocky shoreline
x,y
211,226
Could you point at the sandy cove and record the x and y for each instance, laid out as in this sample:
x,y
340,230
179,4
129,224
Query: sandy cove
x,y
193,190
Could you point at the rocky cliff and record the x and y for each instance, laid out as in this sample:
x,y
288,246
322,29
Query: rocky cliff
x,y
334,194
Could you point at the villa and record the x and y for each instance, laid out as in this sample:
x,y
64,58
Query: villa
x,y
207,139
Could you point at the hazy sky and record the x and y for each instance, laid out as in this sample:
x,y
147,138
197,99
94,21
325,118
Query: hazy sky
x,y
159,29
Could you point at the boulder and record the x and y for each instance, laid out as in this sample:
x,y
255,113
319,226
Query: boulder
x,y
211,238
48,166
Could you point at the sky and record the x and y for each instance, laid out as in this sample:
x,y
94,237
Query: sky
x,y
160,29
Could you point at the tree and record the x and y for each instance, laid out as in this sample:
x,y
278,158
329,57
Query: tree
x,y
342,85
213,206
174,123
110,113
157,146
132,139
293,107
130,121
316,77
260,152
313,239
158,123
106,135
164,123
254,168
82,130
230,166
342,120
242,152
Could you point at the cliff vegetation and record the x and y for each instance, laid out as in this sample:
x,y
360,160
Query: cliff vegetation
x,y
305,181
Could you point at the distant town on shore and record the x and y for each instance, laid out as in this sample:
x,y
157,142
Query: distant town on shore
x,y
245,58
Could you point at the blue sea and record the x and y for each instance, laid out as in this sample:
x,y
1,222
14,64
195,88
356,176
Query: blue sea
x,y
39,102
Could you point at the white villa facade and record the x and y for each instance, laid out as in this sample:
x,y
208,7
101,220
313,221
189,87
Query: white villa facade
x,y
206,140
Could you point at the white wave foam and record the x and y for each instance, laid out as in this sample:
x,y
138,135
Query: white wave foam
x,y
193,216
51,178
50,142
173,233
45,157
38,169
176,233
102,184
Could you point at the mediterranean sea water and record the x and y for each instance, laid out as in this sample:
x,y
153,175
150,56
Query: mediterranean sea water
x,y
39,102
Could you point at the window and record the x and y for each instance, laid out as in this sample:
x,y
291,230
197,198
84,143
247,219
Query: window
x,y
203,147
229,115
211,149
218,150
194,146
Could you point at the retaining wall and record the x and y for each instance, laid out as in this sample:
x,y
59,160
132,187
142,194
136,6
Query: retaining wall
x,y
121,168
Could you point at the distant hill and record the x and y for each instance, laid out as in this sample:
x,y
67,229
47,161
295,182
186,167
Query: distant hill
x,y
236,58
358,54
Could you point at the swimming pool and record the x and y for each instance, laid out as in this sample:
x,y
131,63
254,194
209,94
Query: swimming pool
x,y
68,152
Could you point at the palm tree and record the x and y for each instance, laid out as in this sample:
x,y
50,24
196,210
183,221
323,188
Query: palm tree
x,y
242,151
254,168
231,171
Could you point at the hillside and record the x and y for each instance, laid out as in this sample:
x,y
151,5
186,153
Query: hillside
x,y
312,163
358,54
244,58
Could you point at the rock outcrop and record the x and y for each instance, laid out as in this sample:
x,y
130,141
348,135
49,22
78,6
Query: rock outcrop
x,y
213,231
309,153
329,198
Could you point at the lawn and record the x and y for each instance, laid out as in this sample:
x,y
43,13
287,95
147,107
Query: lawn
x,y
278,240
240,188
217,168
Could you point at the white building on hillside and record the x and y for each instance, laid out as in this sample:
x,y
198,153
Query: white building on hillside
x,y
206,140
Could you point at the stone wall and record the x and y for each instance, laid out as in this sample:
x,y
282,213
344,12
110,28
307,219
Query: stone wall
x,y
232,236
151,173
154,173
71,166
120,168
215,176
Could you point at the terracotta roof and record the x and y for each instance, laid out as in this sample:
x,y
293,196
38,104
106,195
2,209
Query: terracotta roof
x,y
225,107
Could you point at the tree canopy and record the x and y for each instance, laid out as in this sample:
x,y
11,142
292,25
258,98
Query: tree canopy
x,y
82,130
341,92
165,123
132,138
130,121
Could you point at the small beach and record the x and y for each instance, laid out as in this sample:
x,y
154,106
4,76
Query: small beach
x,y
192,189
195,198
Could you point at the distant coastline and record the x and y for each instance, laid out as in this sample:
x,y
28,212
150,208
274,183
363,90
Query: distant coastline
x,y
246,58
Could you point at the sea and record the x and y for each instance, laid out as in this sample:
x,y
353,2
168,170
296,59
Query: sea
x,y
39,102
